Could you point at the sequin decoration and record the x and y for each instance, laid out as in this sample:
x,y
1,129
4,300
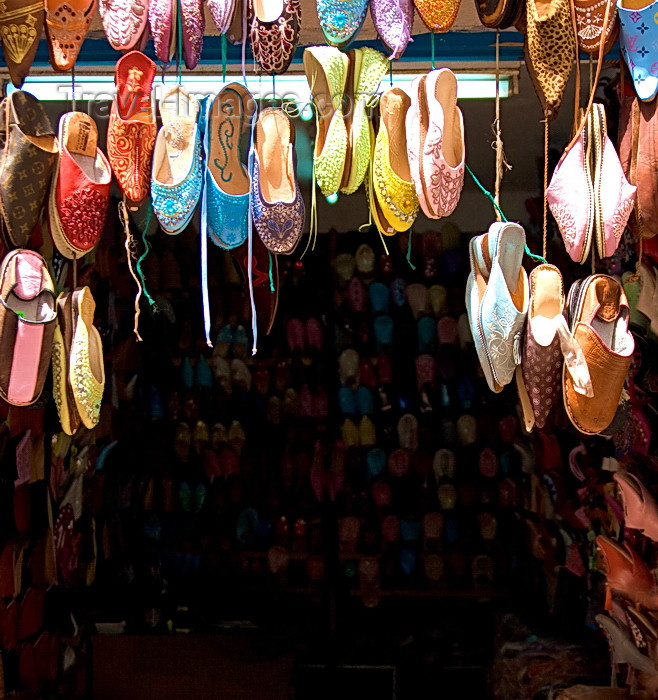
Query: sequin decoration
x,y
274,43
174,204
124,22
393,20
227,216
397,198
160,19
194,25
438,16
341,20
66,29
87,390
279,224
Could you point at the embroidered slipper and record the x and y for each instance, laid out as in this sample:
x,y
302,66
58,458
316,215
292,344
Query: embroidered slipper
x,y
590,17
278,207
194,26
87,370
67,25
221,12
274,32
341,20
497,304
393,20
21,24
177,174
27,324
391,175
226,201
125,23
326,71
69,417
599,319
26,164
80,193
132,128
163,18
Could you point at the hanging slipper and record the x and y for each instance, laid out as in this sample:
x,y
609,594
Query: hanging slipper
x,y
550,48
193,27
393,20
87,370
163,18
274,32
277,205
132,128
125,23
590,20
27,324
80,193
69,417
221,12
499,14
21,23
26,163
177,175
67,24
599,319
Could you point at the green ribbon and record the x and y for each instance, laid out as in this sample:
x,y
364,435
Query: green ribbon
x,y
269,254
147,248
488,194
411,265
224,45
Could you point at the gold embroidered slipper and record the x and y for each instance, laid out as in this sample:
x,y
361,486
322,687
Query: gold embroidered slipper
x,y
394,188
69,417
21,24
87,371
326,70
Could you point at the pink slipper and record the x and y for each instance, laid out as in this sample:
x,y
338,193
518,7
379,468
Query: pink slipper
x,y
194,25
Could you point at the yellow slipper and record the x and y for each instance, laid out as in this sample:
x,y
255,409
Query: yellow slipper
x,y
394,188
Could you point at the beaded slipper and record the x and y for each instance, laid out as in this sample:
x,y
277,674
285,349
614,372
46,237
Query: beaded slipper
x,y
341,20
438,16
194,26
278,207
226,199
392,182
80,194
69,417
163,16
326,70
125,23
367,67
393,20
221,12
87,370
177,175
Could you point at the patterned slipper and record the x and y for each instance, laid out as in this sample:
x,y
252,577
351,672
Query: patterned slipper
x,y
67,24
21,23
69,417
87,370
125,22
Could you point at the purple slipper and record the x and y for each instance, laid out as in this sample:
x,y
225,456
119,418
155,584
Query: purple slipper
x,y
393,20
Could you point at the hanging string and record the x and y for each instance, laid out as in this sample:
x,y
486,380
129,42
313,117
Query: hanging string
x,y
273,101
179,57
501,162
313,225
489,196
250,242
432,44
72,88
75,271
381,235
269,255
130,246
224,45
244,42
390,72
411,265
142,257
545,201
